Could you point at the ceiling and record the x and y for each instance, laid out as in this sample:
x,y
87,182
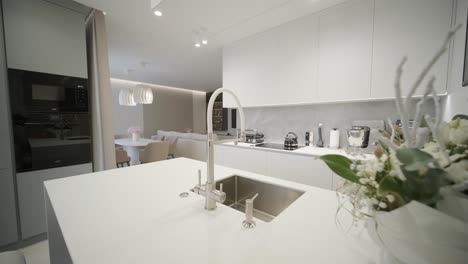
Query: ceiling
x,y
166,43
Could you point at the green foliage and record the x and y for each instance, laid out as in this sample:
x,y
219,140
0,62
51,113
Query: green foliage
x,y
341,166
460,117
414,159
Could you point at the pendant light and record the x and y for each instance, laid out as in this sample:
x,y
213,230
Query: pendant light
x,y
126,97
143,94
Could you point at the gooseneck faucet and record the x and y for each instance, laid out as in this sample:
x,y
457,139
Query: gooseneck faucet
x,y
209,190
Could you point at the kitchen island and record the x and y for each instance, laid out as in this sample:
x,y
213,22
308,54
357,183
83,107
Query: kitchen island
x,y
135,215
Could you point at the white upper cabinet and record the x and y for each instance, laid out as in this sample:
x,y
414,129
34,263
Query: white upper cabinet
x,y
45,37
276,67
413,28
347,52
345,57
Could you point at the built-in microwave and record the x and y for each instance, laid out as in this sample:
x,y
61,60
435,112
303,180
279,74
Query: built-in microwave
x,y
44,92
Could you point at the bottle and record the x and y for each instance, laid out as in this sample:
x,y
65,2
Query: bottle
x,y
307,138
320,140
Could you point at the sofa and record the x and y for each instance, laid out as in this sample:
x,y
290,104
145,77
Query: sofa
x,y
188,145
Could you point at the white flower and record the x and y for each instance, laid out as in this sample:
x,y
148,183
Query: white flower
x,y
458,172
459,133
364,180
374,201
390,198
396,170
382,205
384,158
444,132
433,149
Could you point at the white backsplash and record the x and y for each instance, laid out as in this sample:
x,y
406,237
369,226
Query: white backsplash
x,y
276,122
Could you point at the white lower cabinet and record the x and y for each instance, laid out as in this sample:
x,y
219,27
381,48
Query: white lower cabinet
x,y
287,166
301,169
241,158
31,196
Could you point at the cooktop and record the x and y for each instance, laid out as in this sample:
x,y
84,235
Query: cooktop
x,y
276,146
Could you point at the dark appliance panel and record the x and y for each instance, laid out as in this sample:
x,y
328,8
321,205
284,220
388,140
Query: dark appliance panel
x,y
44,92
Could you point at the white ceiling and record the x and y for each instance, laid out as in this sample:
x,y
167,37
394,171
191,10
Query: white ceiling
x,y
167,43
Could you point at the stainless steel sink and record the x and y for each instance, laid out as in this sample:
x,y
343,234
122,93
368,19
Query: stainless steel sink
x,y
271,200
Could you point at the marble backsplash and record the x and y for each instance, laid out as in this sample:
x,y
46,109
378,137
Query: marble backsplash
x,y
276,122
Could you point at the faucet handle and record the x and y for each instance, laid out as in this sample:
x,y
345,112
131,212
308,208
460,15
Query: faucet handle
x,y
199,177
221,187
253,198
249,222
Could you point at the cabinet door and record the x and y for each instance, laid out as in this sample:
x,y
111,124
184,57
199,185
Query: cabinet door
x,y
301,169
337,182
8,226
413,28
241,158
275,67
31,196
345,59
45,37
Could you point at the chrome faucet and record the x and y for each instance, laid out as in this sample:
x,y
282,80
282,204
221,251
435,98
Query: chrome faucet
x,y
209,189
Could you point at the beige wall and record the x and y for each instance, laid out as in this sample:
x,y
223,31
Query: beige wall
x,y
199,112
172,109
124,117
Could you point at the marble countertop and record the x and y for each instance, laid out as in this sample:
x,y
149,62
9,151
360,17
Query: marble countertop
x,y
305,151
135,215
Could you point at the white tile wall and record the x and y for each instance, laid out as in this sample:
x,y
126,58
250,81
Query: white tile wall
x,y
276,122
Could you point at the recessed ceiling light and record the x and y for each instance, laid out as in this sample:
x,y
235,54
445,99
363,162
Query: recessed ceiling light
x,y
157,13
197,45
205,42
104,13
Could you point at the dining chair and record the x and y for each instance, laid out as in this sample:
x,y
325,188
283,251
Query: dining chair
x,y
155,152
172,145
121,158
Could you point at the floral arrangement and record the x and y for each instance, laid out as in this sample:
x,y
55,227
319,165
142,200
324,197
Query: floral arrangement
x,y
135,130
411,163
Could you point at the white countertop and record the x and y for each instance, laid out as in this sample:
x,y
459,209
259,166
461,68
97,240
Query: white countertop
x,y
305,151
135,215
129,142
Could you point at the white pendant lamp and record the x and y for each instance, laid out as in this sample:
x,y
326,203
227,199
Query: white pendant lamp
x,y
126,97
143,94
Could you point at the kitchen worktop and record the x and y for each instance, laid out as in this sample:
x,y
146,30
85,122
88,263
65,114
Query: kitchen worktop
x,y
304,151
135,215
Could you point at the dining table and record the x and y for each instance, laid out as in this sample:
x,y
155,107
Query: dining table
x,y
133,147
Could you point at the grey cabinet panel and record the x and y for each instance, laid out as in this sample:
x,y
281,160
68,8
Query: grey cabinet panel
x,y
44,37
8,223
31,196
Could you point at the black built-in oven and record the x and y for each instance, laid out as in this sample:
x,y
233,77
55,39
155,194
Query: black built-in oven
x,y
51,122
44,92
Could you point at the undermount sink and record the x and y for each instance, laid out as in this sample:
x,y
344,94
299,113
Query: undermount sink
x,y
271,200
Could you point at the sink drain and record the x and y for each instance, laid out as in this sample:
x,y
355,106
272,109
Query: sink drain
x,y
184,195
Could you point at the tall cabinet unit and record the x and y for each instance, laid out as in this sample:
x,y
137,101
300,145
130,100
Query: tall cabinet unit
x,y
278,66
345,51
8,221
43,37
413,28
